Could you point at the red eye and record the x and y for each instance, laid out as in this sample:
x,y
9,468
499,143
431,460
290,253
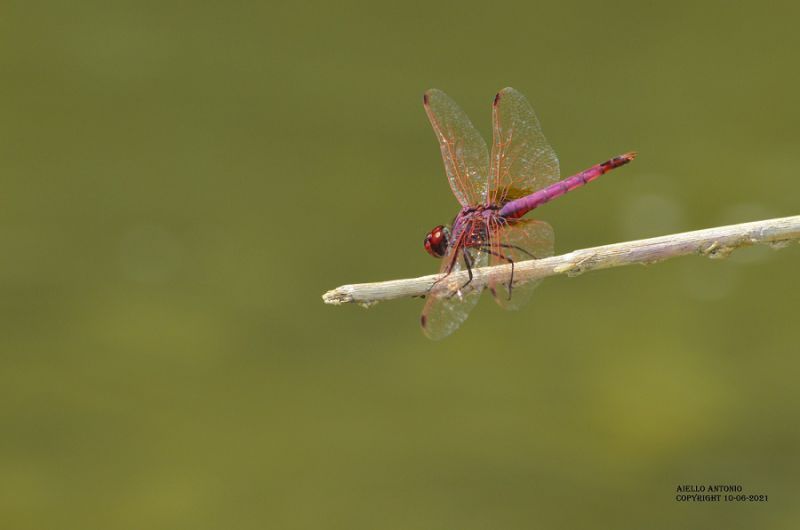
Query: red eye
x,y
436,241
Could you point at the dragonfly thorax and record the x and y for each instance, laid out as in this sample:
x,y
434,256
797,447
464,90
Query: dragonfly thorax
x,y
437,240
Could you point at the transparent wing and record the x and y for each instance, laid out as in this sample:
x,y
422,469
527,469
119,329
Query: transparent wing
x,y
519,240
466,158
449,302
522,160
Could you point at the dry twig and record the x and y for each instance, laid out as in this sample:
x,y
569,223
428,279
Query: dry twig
x,y
716,242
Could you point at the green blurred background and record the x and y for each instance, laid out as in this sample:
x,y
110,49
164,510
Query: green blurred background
x,y
181,181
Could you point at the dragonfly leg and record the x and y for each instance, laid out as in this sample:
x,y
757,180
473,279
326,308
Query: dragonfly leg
x,y
468,262
447,272
504,245
488,250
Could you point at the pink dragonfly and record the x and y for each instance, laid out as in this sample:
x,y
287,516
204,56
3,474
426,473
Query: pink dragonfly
x,y
495,192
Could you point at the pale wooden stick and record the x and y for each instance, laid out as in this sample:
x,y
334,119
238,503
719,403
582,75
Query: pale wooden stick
x,y
715,242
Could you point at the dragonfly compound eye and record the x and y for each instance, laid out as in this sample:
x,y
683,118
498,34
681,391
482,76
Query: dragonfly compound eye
x,y
436,241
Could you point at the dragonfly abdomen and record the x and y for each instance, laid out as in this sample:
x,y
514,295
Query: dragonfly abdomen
x,y
519,207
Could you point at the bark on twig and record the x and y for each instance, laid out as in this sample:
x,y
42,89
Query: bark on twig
x,y
716,242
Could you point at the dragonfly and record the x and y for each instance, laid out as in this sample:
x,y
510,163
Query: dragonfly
x,y
495,191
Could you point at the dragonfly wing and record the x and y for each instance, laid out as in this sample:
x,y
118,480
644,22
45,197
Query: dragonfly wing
x,y
522,161
519,240
449,302
466,157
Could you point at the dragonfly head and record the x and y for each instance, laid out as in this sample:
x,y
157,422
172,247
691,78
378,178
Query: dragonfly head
x,y
436,241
